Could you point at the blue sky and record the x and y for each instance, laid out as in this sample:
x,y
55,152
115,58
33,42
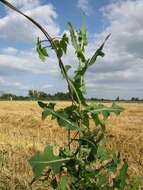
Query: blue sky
x,y
70,11
120,72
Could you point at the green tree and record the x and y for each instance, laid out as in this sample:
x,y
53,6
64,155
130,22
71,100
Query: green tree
x,y
33,94
8,96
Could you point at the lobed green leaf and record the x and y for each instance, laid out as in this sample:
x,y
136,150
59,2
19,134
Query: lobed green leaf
x,y
106,110
61,117
40,161
41,50
98,52
73,36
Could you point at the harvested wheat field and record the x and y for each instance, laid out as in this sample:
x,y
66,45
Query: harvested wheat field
x,y
22,132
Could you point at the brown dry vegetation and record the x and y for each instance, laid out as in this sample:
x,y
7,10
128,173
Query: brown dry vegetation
x,y
22,132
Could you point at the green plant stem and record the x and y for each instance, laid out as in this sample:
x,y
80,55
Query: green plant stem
x,y
69,139
80,108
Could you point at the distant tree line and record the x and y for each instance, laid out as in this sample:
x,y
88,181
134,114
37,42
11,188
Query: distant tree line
x,y
40,95
36,95
9,96
118,99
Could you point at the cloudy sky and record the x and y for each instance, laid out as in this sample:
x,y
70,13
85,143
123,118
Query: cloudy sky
x,y
120,72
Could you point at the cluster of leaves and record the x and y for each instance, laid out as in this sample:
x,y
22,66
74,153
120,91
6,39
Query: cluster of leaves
x,y
86,165
78,168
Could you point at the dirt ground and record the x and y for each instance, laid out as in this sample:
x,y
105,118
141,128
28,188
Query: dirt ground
x,y
22,132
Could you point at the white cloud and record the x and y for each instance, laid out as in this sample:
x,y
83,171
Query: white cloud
x,y
23,67
46,86
85,6
8,84
15,27
122,66
26,61
23,70
24,4
1,80
9,51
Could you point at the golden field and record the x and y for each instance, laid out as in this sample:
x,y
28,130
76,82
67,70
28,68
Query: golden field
x,y
22,132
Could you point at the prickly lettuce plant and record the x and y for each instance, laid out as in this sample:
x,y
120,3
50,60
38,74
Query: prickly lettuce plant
x,y
84,163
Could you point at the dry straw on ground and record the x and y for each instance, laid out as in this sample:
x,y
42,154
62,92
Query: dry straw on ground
x,y
22,132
